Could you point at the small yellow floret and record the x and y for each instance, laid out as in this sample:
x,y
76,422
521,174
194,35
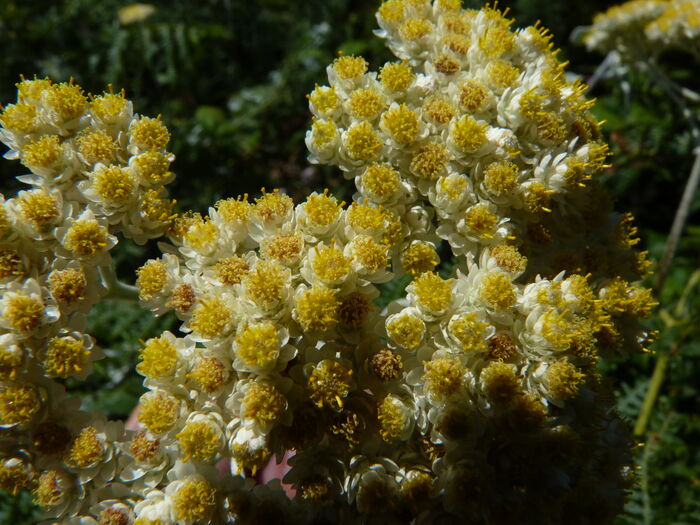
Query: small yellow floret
x,y
432,292
497,291
443,376
323,132
329,264
394,230
329,384
153,166
508,258
468,135
194,500
501,348
114,184
349,67
419,257
151,279
391,417
20,118
396,76
563,379
51,488
68,286
472,95
324,99
23,312
392,11
380,181
496,41
263,403
210,373
258,344
430,161
500,383
39,208
274,207
550,126
96,146
182,298
365,104
231,270
353,309
65,356
386,364
500,178
43,153
406,330
149,133
4,221
447,64
402,123
11,358
202,233
502,74
249,460
453,187
370,254
18,404
284,247
159,412
415,28
234,211
198,440
322,209
457,43
32,90
481,221
316,309
364,217
87,449
211,317
108,107
155,207
66,100
469,331
143,449
158,358
438,110
266,283
537,198
14,477
362,141
449,5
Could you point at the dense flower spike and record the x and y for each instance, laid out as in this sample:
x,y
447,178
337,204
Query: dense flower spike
x,y
473,398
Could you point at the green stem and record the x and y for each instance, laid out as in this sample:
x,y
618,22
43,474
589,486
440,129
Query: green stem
x,y
657,380
115,288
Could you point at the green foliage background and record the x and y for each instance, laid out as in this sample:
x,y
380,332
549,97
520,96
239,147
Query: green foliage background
x,y
230,78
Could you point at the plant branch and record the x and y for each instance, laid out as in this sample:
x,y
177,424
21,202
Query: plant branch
x,y
678,223
657,380
115,288
601,70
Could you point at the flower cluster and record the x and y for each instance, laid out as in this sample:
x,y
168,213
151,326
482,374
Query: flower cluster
x,y
647,27
473,398
96,170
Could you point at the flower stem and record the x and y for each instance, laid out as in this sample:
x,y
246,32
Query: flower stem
x,y
678,223
657,380
115,288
